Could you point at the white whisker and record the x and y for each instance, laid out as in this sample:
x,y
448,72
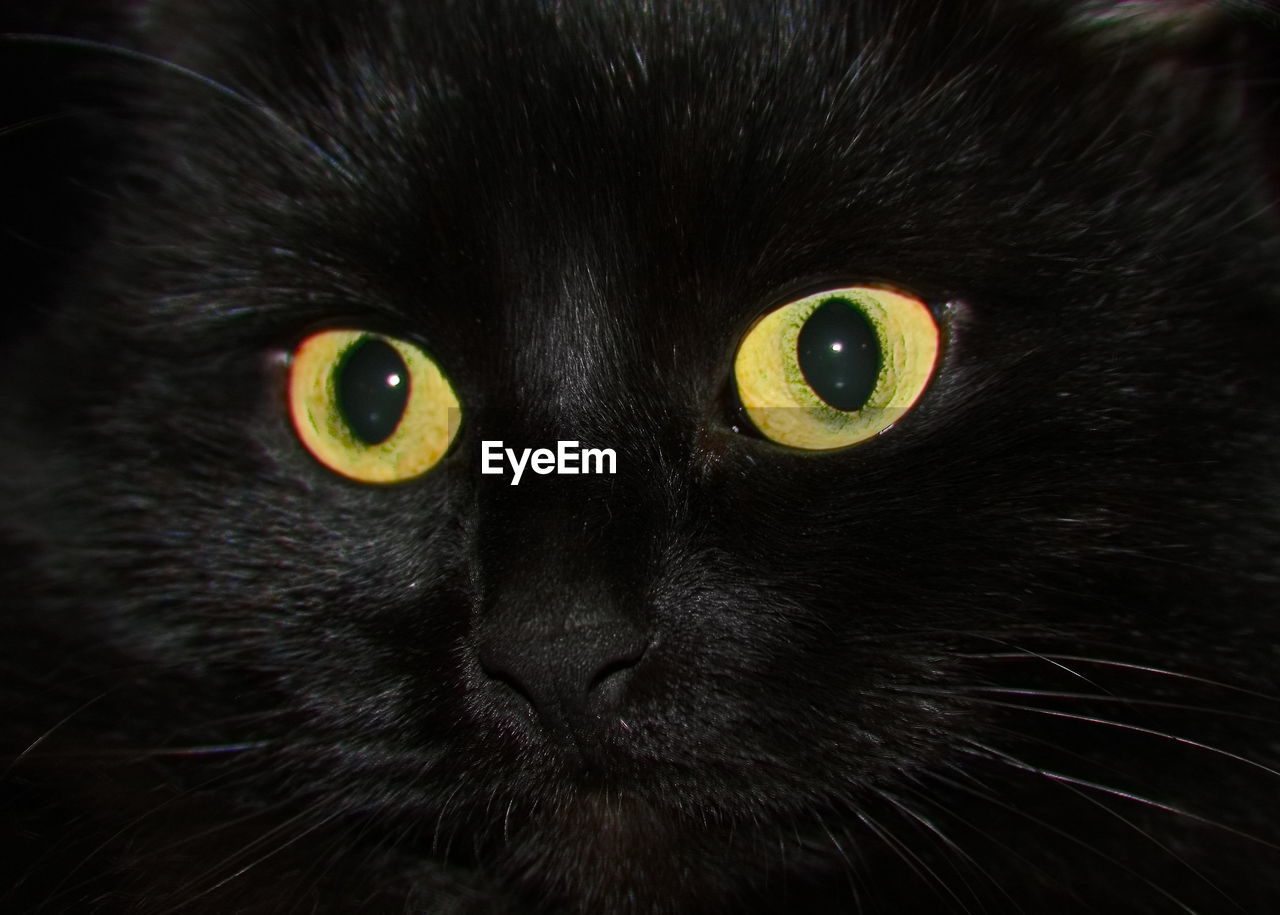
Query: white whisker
x,y
1146,834
45,736
917,864
1124,726
125,53
999,756
264,838
970,689
1122,665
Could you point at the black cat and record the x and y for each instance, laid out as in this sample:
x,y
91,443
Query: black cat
x,y
934,345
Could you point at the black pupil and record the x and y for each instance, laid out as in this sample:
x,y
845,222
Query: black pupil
x,y
372,384
839,354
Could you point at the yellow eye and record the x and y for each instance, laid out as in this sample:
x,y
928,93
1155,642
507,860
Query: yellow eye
x,y
372,408
836,368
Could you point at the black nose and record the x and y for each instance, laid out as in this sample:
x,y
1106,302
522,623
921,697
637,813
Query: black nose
x,y
574,678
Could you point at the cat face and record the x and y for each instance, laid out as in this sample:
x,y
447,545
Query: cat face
x,y
1021,629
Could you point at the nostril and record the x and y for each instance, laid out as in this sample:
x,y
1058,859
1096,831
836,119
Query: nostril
x,y
608,687
499,673
567,677
614,670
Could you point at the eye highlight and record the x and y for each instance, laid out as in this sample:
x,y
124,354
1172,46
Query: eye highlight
x,y
370,407
836,368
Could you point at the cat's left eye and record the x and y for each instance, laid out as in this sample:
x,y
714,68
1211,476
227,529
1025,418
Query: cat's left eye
x,y
836,368
370,407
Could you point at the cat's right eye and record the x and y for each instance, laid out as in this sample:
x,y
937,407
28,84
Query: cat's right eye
x,y
836,368
371,407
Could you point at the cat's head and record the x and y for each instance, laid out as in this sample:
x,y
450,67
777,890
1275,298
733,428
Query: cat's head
x,y
579,216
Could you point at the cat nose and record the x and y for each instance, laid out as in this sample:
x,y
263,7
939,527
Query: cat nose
x,y
574,679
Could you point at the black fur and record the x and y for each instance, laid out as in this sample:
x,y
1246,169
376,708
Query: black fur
x,y
1018,654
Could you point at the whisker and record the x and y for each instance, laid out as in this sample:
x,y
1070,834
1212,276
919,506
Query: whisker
x,y
131,54
1025,737
335,851
264,838
140,753
1124,726
62,886
851,868
947,842
1023,653
1012,852
918,865
45,736
1157,843
444,809
34,122
969,689
1075,840
1013,761
1123,665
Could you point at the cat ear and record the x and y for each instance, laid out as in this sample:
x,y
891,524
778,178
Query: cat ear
x,y
1186,33
1214,63
1220,51
1171,24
